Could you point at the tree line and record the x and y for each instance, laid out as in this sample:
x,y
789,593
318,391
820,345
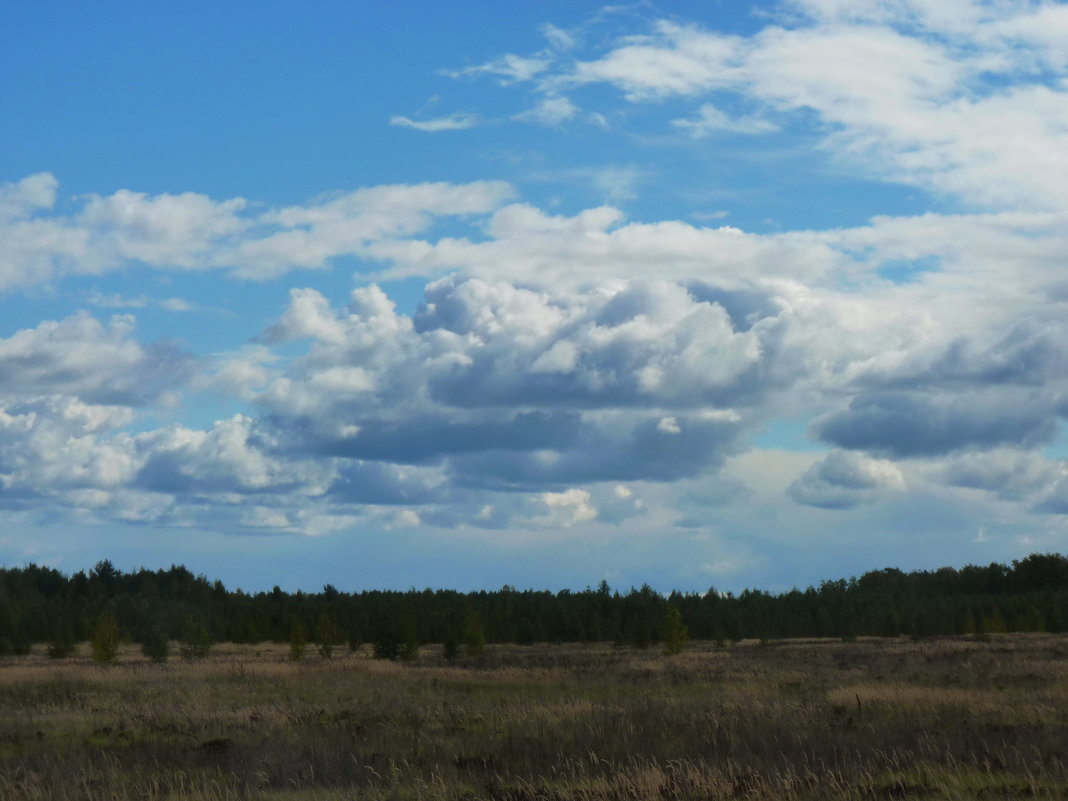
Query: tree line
x,y
154,607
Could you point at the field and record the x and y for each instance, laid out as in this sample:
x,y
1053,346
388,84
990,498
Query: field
x,y
952,718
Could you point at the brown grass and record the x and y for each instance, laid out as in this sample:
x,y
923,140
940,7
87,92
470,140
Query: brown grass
x,y
953,719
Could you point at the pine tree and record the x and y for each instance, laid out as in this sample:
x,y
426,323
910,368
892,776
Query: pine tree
x,y
105,642
474,636
297,644
61,645
155,646
196,643
325,636
409,645
675,633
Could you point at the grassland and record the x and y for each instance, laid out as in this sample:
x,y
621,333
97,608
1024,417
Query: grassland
x,y
954,718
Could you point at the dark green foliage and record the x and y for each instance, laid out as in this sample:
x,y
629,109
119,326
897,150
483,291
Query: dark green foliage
x,y
675,633
61,645
105,642
386,647
450,649
297,642
326,634
1028,595
409,640
474,636
196,641
156,646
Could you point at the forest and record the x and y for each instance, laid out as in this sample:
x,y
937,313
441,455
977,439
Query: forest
x,y
42,605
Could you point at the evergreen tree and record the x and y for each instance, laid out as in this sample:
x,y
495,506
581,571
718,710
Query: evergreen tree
x,y
354,638
675,632
325,635
409,644
105,642
474,635
450,648
297,643
196,642
155,645
61,645
387,643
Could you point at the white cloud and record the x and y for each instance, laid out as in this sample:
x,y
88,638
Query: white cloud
x,y
508,69
32,193
674,59
84,358
453,122
194,232
558,38
711,120
955,97
843,479
568,508
552,110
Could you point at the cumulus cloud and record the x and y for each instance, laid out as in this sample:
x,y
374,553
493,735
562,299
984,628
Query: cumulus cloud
x,y
191,231
904,424
843,480
98,363
1010,473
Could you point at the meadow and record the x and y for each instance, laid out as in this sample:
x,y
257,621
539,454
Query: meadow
x,y
953,718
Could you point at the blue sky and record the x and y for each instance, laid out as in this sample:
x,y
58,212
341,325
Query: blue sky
x,y
422,294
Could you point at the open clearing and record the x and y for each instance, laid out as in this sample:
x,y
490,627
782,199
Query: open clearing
x,y
880,718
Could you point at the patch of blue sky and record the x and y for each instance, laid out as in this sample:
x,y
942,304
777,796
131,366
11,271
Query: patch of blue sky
x,y
1058,448
907,271
788,435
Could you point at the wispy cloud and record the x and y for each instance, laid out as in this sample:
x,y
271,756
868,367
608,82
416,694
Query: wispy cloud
x,y
453,122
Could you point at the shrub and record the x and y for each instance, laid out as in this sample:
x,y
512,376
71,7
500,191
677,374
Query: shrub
x,y
62,643
325,635
105,642
451,647
297,643
474,635
196,643
354,638
676,634
156,647
409,647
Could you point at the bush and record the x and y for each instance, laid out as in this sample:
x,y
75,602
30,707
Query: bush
x,y
354,638
105,642
676,634
156,647
387,644
325,636
297,643
451,647
474,636
196,643
409,646
62,643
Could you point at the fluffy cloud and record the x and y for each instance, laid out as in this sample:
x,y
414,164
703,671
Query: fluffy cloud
x,y
192,231
843,480
84,358
907,424
525,242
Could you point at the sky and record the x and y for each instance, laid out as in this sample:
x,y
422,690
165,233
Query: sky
x,y
694,294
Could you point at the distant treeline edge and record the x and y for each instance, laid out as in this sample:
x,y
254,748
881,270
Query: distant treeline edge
x,y
40,604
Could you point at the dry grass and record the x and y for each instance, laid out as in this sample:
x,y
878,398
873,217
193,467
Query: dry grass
x,y
952,719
